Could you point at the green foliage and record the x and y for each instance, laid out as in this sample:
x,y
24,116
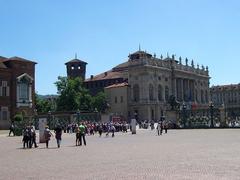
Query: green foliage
x,y
18,117
99,102
43,105
73,96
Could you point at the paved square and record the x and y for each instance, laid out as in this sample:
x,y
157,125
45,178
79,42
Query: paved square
x,y
180,154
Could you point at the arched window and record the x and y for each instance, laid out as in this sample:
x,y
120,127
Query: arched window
x,y
150,92
136,93
160,96
166,93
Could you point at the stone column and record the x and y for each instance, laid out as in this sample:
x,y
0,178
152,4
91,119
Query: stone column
x,y
222,117
182,90
42,125
188,89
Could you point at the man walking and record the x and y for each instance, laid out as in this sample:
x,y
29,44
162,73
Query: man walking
x,y
159,128
58,134
11,129
33,137
82,134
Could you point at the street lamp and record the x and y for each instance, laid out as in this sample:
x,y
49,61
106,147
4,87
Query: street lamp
x,y
184,107
96,114
211,106
78,116
35,117
49,118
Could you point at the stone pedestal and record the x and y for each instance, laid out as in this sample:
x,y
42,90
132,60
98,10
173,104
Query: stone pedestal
x,y
172,116
222,118
42,125
133,125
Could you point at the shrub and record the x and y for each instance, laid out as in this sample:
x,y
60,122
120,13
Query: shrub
x,y
18,117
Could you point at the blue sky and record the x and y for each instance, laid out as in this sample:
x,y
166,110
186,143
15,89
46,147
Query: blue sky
x,y
104,32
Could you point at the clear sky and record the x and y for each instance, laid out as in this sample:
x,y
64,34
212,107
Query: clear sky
x,y
104,32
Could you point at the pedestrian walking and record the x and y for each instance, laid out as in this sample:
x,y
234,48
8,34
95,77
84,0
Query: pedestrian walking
x,y
11,129
159,129
77,136
58,135
82,130
113,129
25,139
165,127
100,130
33,137
47,134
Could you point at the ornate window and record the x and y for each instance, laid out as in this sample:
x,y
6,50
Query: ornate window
x,y
136,93
166,93
150,92
24,90
4,113
4,89
160,96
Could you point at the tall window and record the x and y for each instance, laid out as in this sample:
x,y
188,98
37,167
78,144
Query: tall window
x,y
202,96
4,89
150,92
206,96
115,99
166,93
4,113
23,91
196,95
136,93
160,96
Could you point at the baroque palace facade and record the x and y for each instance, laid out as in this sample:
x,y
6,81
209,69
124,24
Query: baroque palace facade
x,y
17,87
141,86
227,96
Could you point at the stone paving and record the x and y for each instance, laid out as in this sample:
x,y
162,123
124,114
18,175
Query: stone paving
x,y
180,154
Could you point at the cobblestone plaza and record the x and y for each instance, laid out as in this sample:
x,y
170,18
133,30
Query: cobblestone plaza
x,y
180,154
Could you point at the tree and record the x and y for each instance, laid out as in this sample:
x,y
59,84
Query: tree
x,y
72,95
99,102
43,105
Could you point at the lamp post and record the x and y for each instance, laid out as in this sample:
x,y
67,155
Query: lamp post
x,y
35,117
49,118
211,106
78,116
96,114
184,107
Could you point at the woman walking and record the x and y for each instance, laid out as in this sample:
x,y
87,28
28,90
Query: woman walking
x,y
47,134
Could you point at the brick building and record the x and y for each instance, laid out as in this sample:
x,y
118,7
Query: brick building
x,y
17,87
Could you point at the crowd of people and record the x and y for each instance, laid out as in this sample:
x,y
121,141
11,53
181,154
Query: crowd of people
x,y
83,129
